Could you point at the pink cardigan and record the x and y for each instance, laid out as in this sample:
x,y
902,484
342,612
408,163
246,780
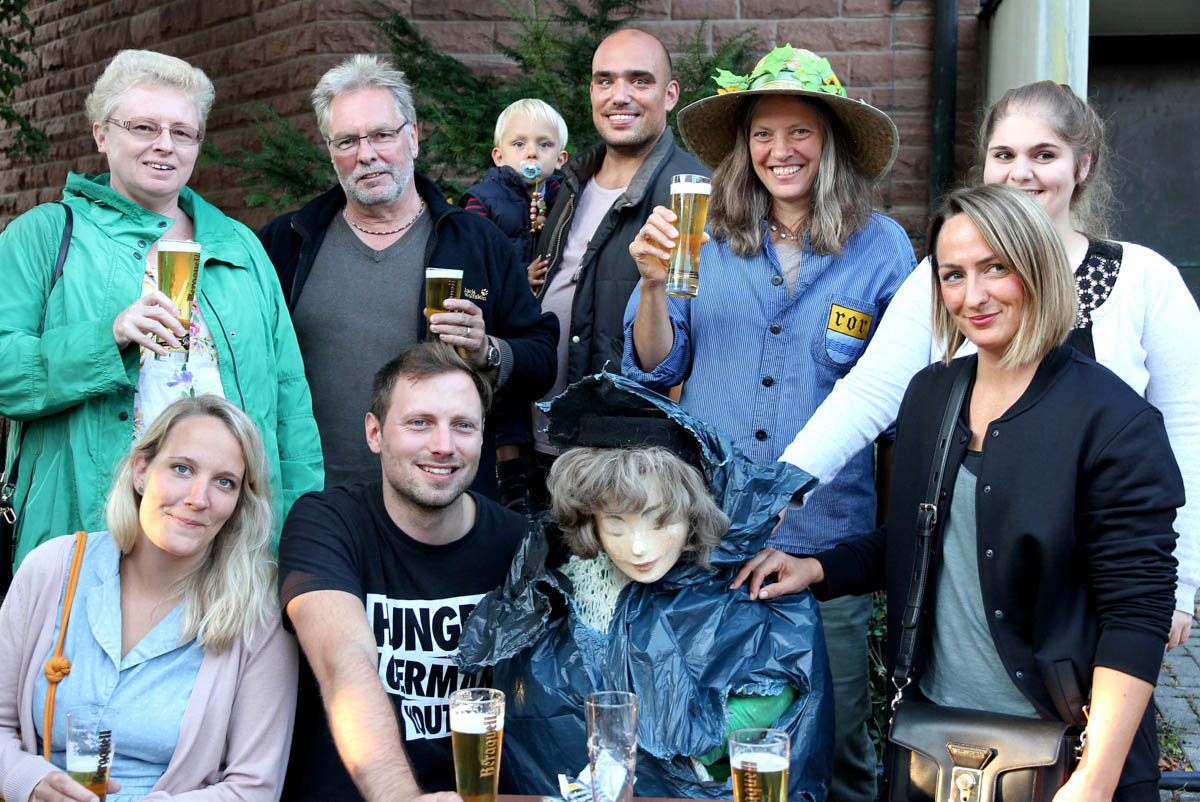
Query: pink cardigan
x,y
236,730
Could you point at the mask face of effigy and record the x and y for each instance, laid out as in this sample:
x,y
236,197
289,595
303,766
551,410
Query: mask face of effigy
x,y
642,545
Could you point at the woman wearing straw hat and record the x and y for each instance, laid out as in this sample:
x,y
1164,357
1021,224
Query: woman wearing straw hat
x,y
792,286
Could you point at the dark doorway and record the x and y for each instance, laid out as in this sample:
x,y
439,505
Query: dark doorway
x,y
1148,90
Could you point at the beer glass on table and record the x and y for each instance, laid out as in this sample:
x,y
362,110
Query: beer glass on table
x,y
689,202
476,735
440,283
89,748
612,722
178,273
759,760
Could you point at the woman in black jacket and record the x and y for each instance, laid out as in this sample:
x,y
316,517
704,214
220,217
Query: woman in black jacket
x,y
1052,577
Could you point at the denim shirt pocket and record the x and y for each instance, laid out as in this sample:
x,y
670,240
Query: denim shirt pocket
x,y
843,330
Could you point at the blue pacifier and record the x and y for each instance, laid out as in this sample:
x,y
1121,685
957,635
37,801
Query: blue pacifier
x,y
531,170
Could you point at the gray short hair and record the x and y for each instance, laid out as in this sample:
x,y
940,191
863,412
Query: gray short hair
x,y
362,72
131,68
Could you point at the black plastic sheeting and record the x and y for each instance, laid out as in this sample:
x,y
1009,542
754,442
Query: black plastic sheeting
x,y
682,644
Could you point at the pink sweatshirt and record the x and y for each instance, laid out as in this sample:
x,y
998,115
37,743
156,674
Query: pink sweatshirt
x,y
236,730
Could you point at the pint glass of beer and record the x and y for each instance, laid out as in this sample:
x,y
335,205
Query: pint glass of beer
x,y
89,749
759,759
476,734
440,283
689,202
178,271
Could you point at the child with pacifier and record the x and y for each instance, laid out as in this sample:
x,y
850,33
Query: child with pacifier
x,y
529,145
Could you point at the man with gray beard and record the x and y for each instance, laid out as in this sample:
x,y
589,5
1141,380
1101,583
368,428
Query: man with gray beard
x,y
352,265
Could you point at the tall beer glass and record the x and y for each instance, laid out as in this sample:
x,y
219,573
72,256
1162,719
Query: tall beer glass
x,y
440,283
759,759
178,273
612,722
476,735
689,202
89,749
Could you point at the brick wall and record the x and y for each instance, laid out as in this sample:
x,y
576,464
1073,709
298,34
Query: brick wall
x,y
274,50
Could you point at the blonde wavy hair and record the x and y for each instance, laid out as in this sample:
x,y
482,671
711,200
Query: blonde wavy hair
x,y
1022,237
231,593
131,68
586,481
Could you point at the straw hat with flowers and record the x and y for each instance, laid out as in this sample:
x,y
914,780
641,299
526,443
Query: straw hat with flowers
x,y
707,126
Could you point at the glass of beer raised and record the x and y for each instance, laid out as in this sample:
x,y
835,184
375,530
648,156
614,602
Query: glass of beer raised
x,y
89,749
612,722
440,283
178,272
476,735
759,759
689,202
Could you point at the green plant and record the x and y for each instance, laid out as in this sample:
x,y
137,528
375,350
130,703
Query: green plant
x,y
457,107
28,142
881,696
1170,745
292,168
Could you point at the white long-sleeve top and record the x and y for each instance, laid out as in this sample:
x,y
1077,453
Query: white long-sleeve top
x,y
1145,332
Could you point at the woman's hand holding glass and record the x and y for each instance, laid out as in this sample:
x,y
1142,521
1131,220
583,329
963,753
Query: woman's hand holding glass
x,y
58,787
651,248
153,315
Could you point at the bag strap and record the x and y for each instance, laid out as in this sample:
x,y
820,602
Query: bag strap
x,y
927,518
8,481
58,666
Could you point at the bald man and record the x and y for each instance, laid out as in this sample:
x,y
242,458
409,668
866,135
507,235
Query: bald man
x,y
608,191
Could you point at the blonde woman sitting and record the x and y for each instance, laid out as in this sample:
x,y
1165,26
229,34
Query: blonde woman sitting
x,y
174,630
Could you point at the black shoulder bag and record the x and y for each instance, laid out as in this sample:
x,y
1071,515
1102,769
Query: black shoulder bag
x,y
8,481
951,754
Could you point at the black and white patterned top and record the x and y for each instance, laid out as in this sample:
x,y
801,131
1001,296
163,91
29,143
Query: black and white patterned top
x,y
1095,278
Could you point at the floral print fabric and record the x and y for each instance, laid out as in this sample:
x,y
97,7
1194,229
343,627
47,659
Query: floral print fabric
x,y
180,374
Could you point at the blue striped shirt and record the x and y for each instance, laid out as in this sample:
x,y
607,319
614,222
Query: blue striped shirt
x,y
756,361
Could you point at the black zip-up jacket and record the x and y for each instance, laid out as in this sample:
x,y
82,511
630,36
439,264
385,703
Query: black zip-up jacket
x,y
1075,501
503,195
607,274
493,279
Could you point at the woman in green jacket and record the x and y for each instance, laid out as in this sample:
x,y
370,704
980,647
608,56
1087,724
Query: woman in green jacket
x,y
88,361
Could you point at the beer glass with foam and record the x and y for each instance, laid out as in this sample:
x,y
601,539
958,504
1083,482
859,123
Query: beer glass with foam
x,y
476,735
178,273
440,283
89,748
759,760
689,202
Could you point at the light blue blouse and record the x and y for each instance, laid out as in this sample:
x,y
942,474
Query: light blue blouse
x,y
144,693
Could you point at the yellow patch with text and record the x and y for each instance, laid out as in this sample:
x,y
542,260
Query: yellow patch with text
x,y
850,321
475,295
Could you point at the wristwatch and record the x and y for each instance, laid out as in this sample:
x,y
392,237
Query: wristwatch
x,y
493,354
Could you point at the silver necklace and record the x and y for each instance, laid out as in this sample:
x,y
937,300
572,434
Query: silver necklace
x,y
783,233
405,227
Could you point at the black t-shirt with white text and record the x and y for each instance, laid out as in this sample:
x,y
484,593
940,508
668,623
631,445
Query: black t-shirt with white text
x,y
416,597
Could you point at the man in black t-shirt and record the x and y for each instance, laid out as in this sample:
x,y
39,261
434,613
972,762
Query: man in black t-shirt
x,y
414,553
